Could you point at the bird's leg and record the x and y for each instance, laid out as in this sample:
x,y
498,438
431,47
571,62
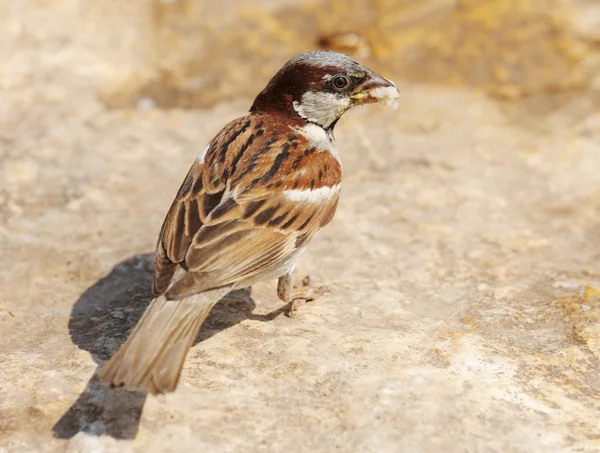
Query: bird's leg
x,y
296,296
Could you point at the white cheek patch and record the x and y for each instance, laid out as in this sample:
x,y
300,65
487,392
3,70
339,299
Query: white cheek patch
x,y
202,155
312,196
386,95
321,108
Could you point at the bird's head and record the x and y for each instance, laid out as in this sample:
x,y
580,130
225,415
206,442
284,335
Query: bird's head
x,y
319,86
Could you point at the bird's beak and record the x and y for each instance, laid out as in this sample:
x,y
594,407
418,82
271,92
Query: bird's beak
x,y
377,89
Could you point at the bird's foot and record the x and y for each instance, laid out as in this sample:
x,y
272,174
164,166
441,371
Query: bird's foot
x,y
303,294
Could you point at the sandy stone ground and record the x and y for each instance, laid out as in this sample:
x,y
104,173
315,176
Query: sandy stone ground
x,y
463,263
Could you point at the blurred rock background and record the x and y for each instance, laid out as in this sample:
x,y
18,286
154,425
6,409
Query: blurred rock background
x,y
510,49
464,260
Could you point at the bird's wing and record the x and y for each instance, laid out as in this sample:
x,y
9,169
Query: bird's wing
x,y
259,194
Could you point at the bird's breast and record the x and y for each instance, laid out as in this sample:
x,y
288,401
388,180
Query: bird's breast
x,y
319,138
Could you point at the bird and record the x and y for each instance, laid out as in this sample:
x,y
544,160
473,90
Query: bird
x,y
249,205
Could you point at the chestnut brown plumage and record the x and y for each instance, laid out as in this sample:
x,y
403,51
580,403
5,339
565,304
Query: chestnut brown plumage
x,y
246,210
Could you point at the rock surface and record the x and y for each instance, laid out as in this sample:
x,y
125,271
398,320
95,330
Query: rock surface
x,y
463,263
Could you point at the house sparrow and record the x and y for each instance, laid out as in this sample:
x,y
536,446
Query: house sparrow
x,y
249,205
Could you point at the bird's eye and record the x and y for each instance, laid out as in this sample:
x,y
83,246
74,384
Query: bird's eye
x,y
340,82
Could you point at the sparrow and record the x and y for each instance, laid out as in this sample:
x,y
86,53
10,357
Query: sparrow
x,y
249,205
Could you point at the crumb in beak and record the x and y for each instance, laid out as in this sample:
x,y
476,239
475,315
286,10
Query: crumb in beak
x,y
385,95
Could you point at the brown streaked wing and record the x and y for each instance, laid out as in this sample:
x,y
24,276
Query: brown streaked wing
x,y
254,226
199,194
242,238
238,256
183,220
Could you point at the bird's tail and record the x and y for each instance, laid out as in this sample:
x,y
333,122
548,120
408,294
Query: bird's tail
x,y
152,357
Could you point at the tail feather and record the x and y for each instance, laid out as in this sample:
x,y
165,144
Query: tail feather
x,y
152,357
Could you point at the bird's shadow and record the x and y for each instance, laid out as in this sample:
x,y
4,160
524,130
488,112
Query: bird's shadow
x,y
100,322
